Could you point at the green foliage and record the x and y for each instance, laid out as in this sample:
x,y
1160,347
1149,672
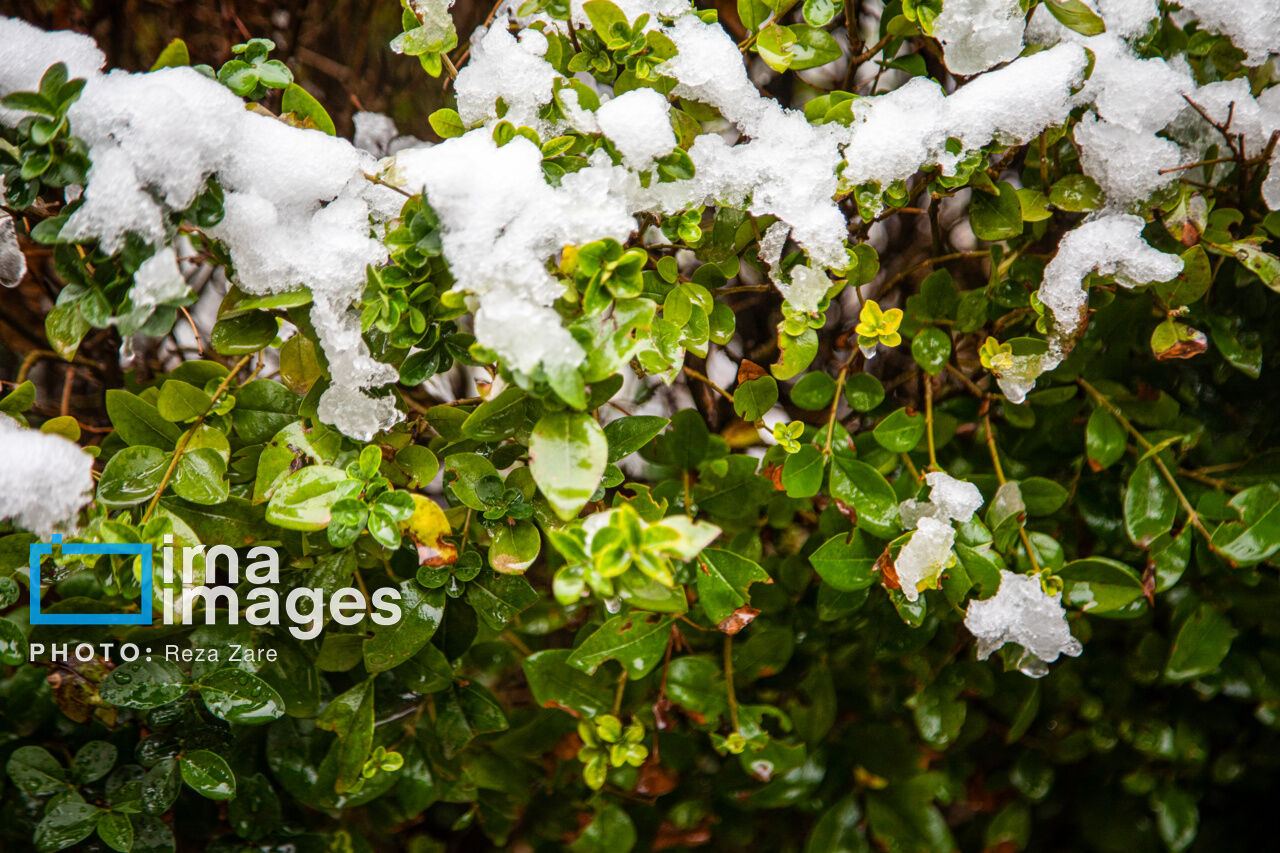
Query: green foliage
x,y
702,607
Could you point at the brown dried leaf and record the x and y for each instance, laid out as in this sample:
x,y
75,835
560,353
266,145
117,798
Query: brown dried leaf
x,y
749,370
738,619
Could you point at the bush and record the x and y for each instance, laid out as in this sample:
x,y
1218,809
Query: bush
x,y
878,458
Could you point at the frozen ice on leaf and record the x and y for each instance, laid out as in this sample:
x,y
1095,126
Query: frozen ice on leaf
x,y
806,289
924,557
13,264
977,34
1021,612
949,500
356,413
44,478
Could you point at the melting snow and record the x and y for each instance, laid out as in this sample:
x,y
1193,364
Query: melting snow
x,y
1020,612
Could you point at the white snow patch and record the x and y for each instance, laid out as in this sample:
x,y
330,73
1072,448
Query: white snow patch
x,y
44,479
1020,612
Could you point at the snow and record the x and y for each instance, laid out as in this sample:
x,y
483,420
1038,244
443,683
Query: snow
x,y
977,34
1109,245
502,67
638,123
1020,612
949,500
894,134
1127,18
501,220
158,280
1125,163
807,288
925,555
44,479
13,264
1252,25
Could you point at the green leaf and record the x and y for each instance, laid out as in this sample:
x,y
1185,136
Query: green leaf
x,y
263,408
303,501
421,614
201,477
464,713
819,13
1190,284
635,640
139,422
1260,538
1149,504
996,217
13,644
1076,193
181,401
802,472
496,419
774,45
814,47
604,16
35,772
302,104
1042,496
610,831
446,123
797,353
901,431
555,684
1202,643
350,716
1104,440
1101,586
863,392
837,830
567,455
814,391
862,487
1177,817
628,434
19,399
208,774
931,348
144,684
132,476
116,831
753,13
463,472
847,561
723,581
751,399
93,761
174,55
239,696
245,334
66,823
498,598
1076,15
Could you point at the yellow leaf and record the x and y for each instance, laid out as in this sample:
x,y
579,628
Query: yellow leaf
x,y
428,528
